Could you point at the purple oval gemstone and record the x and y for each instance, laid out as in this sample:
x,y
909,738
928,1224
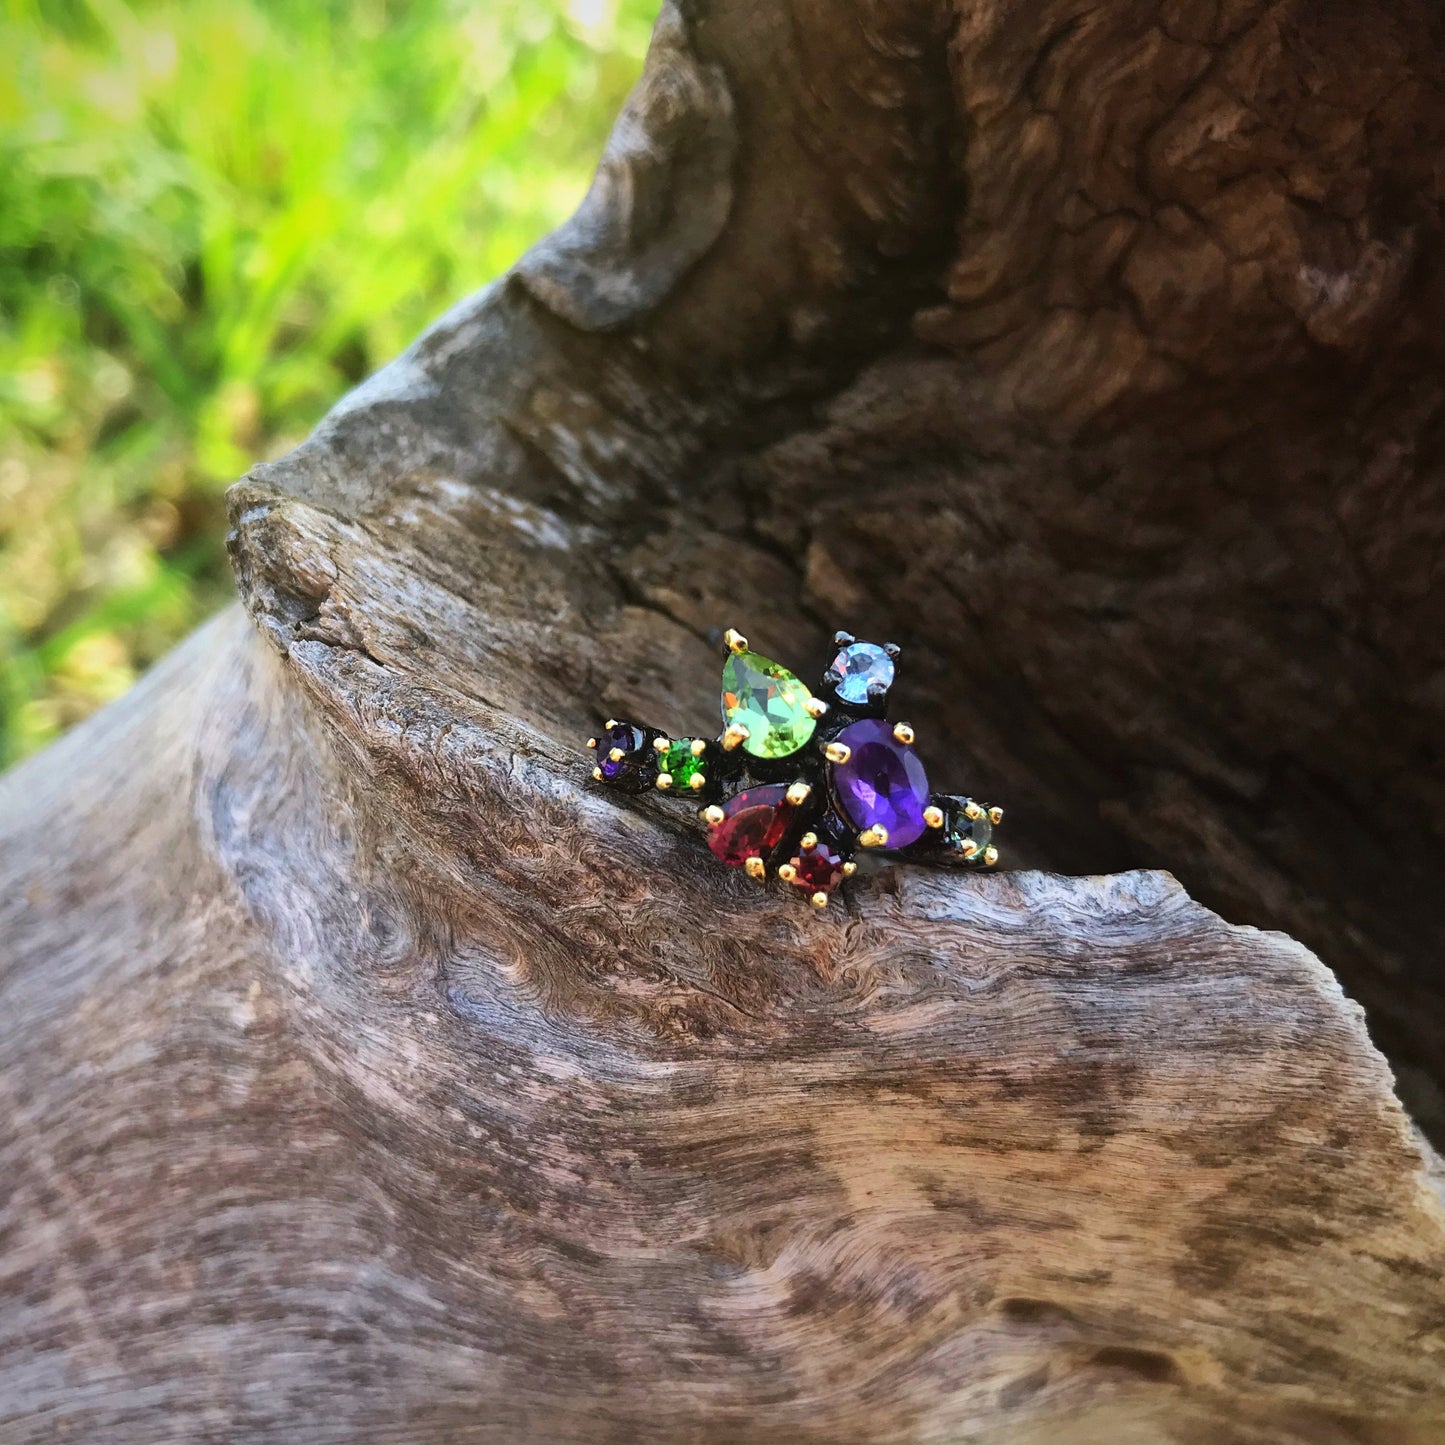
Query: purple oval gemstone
x,y
882,782
627,737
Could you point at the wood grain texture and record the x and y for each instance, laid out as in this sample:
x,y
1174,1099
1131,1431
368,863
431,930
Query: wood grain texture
x,y
411,1108
370,1077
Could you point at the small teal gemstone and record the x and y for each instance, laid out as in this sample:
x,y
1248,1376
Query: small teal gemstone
x,y
962,830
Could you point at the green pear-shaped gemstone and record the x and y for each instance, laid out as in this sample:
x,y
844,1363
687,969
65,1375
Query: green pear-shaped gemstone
x,y
769,702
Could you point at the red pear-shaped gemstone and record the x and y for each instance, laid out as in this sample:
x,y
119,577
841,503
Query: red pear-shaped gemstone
x,y
754,822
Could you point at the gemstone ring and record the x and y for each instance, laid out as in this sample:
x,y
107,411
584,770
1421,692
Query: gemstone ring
x,y
799,781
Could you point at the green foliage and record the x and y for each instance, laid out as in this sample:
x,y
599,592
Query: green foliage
x,y
215,216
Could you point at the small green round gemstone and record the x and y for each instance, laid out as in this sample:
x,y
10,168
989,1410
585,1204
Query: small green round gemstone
x,y
681,762
769,702
964,830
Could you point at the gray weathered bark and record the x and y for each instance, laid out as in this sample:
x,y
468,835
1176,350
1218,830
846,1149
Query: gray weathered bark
x,y
371,1077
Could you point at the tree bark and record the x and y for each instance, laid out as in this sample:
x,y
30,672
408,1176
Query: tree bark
x,y
372,1077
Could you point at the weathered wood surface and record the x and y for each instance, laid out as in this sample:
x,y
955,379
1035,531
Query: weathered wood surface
x,y
422,1094
370,1077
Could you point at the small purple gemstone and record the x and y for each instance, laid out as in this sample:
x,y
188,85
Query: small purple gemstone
x,y
631,740
882,782
625,736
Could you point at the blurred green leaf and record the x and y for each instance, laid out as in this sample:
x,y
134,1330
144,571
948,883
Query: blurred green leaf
x,y
215,215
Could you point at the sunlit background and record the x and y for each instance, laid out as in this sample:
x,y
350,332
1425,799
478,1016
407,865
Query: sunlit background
x,y
215,216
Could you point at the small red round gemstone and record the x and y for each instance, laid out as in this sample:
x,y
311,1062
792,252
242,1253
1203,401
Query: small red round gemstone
x,y
754,823
818,869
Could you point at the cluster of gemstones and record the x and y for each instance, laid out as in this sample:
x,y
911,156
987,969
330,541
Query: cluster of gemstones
x,y
799,781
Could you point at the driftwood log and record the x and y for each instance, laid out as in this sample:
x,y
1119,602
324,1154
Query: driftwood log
x,y
369,1076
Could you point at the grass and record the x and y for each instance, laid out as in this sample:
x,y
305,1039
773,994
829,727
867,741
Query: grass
x,y
215,216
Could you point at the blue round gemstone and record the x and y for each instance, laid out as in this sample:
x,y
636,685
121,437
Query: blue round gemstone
x,y
862,663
